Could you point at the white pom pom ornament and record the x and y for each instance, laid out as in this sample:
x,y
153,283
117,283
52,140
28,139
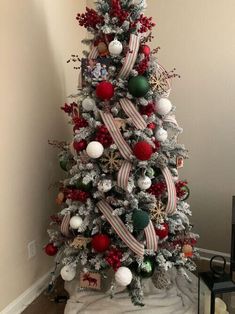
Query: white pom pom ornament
x,y
163,106
123,276
95,149
75,222
144,183
68,273
88,104
115,47
161,135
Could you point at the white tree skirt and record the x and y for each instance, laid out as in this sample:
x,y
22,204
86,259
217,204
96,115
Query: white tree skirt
x,y
180,298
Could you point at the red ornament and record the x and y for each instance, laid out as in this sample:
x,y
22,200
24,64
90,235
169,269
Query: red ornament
x,y
103,136
79,146
104,90
50,249
147,110
180,191
100,242
79,123
157,189
145,49
89,19
163,231
157,145
151,126
142,150
77,195
114,258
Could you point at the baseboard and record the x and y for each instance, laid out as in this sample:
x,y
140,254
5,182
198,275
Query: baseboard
x,y
208,254
18,305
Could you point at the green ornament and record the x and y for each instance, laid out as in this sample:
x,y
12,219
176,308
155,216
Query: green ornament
x,y
140,219
187,193
82,186
150,172
146,268
138,86
63,164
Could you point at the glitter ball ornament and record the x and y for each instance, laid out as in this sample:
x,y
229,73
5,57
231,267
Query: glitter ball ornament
x,y
68,273
144,183
50,249
79,146
145,49
123,276
162,231
161,135
115,47
104,185
138,86
88,104
142,150
163,106
100,242
95,149
140,219
75,222
104,90
187,250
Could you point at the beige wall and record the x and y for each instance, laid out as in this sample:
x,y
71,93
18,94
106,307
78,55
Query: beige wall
x,y
36,39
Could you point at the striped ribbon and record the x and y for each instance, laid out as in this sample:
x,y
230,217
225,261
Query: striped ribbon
x,y
171,119
124,234
131,56
116,135
123,174
64,228
132,113
171,191
93,53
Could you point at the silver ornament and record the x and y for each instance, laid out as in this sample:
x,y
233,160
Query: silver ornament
x,y
104,185
144,183
161,135
88,104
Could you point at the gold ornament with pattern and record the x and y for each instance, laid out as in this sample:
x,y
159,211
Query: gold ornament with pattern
x,y
112,160
158,213
80,242
160,82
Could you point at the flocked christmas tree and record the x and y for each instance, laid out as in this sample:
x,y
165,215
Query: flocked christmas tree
x,y
122,205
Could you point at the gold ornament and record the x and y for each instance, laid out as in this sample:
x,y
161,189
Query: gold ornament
x,y
158,213
80,242
112,160
160,82
120,123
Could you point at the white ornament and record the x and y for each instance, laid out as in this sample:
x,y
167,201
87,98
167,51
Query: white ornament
x,y
144,183
95,149
123,276
68,273
88,104
161,135
163,106
75,222
104,185
115,47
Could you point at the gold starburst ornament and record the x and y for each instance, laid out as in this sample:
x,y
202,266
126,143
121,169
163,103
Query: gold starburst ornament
x,y
160,82
111,161
158,213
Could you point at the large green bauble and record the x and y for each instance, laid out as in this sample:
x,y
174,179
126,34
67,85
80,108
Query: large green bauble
x,y
82,186
140,219
146,269
138,86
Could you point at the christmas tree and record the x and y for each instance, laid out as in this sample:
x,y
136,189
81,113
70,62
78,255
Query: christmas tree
x,y
122,208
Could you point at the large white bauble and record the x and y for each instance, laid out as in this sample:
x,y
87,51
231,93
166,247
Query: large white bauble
x,y
144,183
104,185
75,222
68,273
88,104
163,106
115,47
95,149
123,276
161,135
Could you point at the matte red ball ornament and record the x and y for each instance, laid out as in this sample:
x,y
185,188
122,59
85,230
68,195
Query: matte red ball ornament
x,y
79,146
163,231
142,150
50,249
104,90
100,242
145,49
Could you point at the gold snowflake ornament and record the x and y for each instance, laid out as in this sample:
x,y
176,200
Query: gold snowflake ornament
x,y
112,161
160,82
158,213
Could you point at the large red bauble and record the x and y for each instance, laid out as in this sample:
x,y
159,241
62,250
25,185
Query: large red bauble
x,y
79,146
143,150
50,249
145,49
104,90
163,232
100,242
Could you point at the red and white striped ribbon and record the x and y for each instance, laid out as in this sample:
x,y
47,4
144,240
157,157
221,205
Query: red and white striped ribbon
x,y
131,56
171,119
116,135
64,228
133,113
171,191
123,174
93,53
151,238
124,234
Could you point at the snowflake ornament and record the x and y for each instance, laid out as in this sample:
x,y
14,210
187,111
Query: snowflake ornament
x,y
160,82
111,161
158,213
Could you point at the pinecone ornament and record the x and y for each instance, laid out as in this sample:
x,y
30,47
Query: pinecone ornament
x,y
161,279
